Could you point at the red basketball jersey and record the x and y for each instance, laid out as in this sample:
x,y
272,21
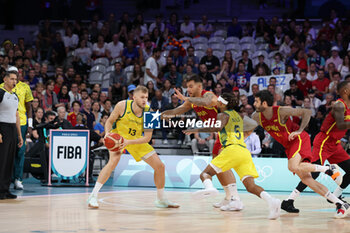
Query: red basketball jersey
x,y
329,124
205,113
276,129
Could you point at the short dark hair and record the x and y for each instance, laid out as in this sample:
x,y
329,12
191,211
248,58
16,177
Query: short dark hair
x,y
76,102
195,78
265,96
8,73
190,47
49,113
342,85
293,81
232,100
336,73
273,78
155,50
84,90
303,71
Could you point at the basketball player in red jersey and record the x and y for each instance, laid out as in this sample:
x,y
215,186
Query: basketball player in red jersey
x,y
277,122
204,104
327,145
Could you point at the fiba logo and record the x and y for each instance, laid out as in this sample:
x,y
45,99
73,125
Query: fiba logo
x,y
151,120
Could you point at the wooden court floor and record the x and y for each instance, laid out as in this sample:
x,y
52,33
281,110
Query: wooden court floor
x,y
133,211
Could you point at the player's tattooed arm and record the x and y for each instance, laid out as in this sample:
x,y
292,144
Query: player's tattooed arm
x,y
185,107
207,100
222,117
338,114
118,111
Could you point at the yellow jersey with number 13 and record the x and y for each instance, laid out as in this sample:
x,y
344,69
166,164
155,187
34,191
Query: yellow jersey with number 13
x,y
129,125
232,133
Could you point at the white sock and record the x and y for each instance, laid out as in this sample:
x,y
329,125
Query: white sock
x,y
266,197
338,191
294,194
330,196
160,194
208,184
232,192
320,168
97,188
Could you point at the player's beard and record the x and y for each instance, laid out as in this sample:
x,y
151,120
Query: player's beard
x,y
139,105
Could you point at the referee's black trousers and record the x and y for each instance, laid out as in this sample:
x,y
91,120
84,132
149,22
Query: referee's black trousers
x,y
7,154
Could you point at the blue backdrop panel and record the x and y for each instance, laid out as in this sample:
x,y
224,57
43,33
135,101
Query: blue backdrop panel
x,y
183,172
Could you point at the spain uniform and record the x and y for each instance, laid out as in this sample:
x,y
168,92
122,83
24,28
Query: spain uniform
x,y
280,132
130,127
234,153
206,113
327,144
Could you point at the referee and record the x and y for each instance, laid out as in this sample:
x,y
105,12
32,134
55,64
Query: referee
x,y
10,131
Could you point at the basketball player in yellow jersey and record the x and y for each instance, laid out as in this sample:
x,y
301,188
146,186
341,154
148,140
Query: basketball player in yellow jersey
x,y
128,116
233,155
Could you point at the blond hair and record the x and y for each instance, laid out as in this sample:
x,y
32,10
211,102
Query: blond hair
x,y
141,88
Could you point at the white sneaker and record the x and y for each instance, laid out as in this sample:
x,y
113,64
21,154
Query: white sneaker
x,y
179,142
221,203
205,193
166,204
18,185
92,201
233,205
165,141
342,210
336,174
275,208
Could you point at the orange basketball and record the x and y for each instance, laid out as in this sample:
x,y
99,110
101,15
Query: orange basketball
x,y
113,141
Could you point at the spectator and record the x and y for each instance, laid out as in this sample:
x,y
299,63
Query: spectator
x,y
211,61
234,29
50,101
147,51
137,76
299,62
32,79
296,95
242,77
158,38
151,91
251,98
262,64
202,141
190,54
320,85
107,106
167,90
173,26
326,104
114,49
61,118
70,40
157,24
58,84
331,69
63,96
230,60
277,62
188,73
72,116
74,94
99,48
139,22
90,117
303,84
248,64
83,54
152,68
218,89
225,72
335,59
100,126
187,27
251,139
285,48
344,68
96,110
314,101
159,101
117,83
177,58
173,76
307,105
312,74
277,97
249,109
326,30
94,96
204,28
332,88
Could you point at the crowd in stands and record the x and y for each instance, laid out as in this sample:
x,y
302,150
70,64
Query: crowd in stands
x,y
88,67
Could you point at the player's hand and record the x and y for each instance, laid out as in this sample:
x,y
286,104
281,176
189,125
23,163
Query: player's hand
x,y
179,95
124,144
20,142
0,138
293,135
187,132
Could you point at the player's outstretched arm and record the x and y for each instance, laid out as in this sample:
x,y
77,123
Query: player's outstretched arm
x,y
338,114
222,117
207,100
305,114
118,110
185,107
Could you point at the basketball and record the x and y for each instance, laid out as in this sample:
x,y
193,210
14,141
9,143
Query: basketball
x,y
113,141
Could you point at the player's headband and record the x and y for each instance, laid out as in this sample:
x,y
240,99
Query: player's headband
x,y
222,100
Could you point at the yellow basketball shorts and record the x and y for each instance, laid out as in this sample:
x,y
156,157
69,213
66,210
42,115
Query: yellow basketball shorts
x,y
140,151
236,157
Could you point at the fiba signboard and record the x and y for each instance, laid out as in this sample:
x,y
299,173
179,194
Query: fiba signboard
x,y
69,153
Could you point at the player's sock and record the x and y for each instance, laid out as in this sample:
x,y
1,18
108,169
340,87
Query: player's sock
x,y
338,191
160,194
266,197
208,184
97,188
231,192
293,195
320,168
330,196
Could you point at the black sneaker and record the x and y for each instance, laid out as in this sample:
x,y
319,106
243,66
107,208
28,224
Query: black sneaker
x,y
9,195
288,205
2,196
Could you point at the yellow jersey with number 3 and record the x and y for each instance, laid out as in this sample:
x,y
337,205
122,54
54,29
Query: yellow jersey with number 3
x,y
232,133
128,124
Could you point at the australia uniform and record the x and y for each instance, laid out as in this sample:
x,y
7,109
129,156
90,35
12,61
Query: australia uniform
x,y
280,132
234,153
327,144
130,127
206,113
